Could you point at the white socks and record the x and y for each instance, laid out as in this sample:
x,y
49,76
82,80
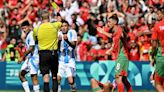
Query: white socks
x,y
36,88
59,88
26,86
27,89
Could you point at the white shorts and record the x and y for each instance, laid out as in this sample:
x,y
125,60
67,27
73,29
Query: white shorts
x,y
67,69
31,65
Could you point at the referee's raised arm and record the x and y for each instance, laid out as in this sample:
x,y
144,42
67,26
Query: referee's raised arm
x,y
47,37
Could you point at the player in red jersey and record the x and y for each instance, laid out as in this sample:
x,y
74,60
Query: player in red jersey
x,y
158,50
122,62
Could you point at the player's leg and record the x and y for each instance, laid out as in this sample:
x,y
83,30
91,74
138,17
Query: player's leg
x,y
22,73
119,83
95,86
59,80
159,74
118,70
127,84
107,87
34,65
44,68
124,79
70,72
60,74
54,70
34,78
159,87
158,83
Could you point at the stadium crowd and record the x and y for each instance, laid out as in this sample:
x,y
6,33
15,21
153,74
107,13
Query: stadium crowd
x,y
87,18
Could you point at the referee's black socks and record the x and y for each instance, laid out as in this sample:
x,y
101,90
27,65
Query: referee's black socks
x,y
73,87
46,87
54,85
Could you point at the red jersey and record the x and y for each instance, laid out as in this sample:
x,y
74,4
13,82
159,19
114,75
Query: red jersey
x,y
92,52
158,33
81,51
116,41
102,52
1,3
134,54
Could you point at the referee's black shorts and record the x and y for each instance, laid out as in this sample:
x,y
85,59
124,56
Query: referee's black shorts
x,y
48,62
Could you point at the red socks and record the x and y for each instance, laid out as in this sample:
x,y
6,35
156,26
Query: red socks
x,y
130,89
121,87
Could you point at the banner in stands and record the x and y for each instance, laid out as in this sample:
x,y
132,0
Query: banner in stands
x,y
138,75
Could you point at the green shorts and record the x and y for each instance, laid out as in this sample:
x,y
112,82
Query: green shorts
x,y
159,65
121,66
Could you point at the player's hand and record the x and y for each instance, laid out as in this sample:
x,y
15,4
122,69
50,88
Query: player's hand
x,y
65,37
59,37
20,60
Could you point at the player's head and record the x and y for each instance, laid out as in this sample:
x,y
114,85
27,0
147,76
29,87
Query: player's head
x,y
45,15
160,13
65,26
25,26
113,20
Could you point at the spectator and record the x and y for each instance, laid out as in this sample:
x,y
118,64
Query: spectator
x,y
11,53
14,30
134,52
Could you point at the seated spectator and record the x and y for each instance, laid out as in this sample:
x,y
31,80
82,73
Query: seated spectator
x,y
11,54
91,54
101,53
145,48
134,52
20,47
111,55
81,49
3,37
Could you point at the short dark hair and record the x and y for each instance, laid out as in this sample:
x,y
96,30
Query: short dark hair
x,y
114,17
25,23
64,21
110,40
161,8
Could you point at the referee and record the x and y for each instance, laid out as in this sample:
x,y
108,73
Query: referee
x,y
47,36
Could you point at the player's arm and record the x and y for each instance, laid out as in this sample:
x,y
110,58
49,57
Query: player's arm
x,y
154,45
31,48
72,44
74,39
154,49
104,32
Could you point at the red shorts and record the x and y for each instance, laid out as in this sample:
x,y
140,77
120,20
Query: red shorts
x,y
158,78
123,73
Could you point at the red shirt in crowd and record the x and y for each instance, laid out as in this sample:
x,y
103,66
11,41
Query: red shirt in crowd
x,y
92,52
134,54
103,54
1,3
81,51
